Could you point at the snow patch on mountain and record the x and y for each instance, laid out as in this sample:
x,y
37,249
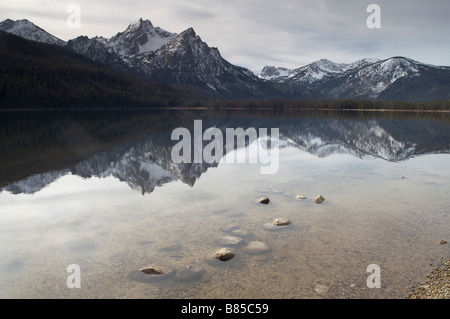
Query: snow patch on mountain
x,y
271,72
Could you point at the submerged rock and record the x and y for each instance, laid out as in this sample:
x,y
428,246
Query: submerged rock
x,y
229,240
229,228
170,246
240,232
319,199
264,200
224,254
281,221
256,247
188,273
272,227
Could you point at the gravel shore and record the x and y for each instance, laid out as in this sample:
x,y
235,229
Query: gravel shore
x,y
436,286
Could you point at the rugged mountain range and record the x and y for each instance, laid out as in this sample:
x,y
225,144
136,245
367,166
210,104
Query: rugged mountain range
x,y
184,59
396,78
180,59
311,73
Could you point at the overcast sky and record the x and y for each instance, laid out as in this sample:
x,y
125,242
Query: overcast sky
x,y
255,33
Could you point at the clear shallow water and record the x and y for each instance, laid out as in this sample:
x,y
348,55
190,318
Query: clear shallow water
x,y
115,219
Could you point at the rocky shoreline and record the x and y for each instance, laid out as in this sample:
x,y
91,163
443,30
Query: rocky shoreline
x,y
436,286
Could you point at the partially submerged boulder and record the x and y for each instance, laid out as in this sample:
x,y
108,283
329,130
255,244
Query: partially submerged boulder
x,y
278,223
319,199
281,221
224,254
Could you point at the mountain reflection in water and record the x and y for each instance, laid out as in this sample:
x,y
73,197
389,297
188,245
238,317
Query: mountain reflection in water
x,y
135,147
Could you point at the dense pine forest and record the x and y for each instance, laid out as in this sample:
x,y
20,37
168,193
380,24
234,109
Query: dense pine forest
x,y
37,75
41,76
341,105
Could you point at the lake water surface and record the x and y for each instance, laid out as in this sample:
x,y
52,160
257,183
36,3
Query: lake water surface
x,y
100,190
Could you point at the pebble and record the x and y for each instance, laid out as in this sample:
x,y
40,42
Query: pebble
x,y
273,227
437,285
321,289
264,200
300,197
151,273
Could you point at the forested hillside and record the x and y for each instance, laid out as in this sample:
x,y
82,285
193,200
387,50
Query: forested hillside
x,y
37,75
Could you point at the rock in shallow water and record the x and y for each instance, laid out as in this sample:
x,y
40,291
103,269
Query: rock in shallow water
x,y
151,273
273,227
319,199
281,221
264,200
224,254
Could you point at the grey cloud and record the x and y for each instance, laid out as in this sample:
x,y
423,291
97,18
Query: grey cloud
x,y
287,33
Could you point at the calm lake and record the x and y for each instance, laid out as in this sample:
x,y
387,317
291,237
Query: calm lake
x,y
100,190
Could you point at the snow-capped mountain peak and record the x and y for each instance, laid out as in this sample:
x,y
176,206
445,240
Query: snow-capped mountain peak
x,y
140,23
310,73
27,30
186,59
366,78
138,38
371,79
